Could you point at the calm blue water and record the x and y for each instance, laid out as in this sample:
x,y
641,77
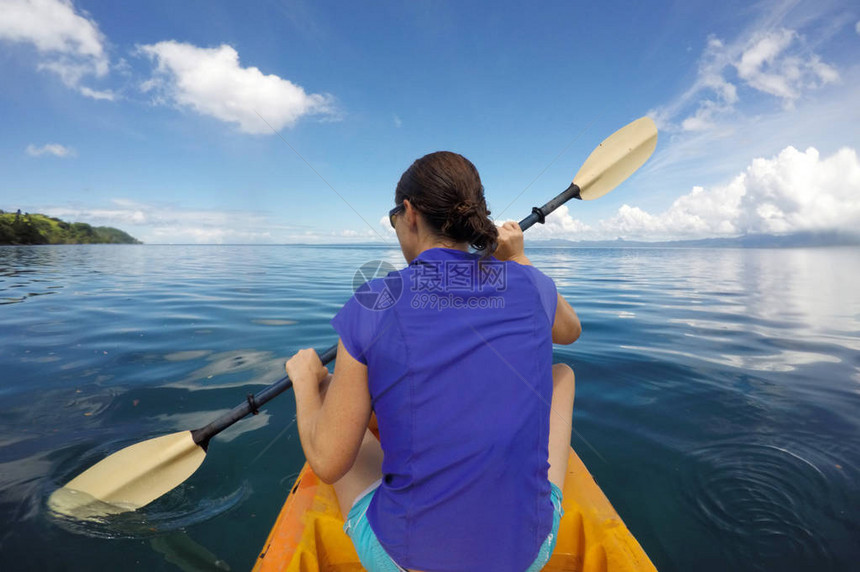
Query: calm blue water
x,y
717,404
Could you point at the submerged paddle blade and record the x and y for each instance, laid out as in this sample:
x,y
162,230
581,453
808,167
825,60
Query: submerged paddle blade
x,y
616,158
130,478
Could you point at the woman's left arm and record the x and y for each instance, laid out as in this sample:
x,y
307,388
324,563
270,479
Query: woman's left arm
x,y
331,427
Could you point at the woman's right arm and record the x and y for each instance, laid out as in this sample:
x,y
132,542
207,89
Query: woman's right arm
x,y
566,327
330,429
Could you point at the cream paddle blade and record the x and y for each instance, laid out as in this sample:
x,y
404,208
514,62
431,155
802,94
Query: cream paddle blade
x,y
616,158
130,478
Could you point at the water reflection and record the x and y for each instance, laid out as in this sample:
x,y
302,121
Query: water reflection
x,y
223,368
197,419
274,322
749,297
189,556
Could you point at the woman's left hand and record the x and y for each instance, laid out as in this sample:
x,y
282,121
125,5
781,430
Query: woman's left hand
x,y
305,367
510,243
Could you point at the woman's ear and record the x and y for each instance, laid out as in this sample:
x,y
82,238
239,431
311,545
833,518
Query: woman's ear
x,y
409,213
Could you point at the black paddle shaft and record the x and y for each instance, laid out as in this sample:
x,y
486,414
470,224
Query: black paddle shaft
x,y
252,404
539,214
254,401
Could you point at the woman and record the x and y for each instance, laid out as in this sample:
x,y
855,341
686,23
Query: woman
x,y
474,420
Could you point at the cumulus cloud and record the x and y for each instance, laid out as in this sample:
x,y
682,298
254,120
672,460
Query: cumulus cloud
x,y
211,81
69,42
791,192
559,224
54,149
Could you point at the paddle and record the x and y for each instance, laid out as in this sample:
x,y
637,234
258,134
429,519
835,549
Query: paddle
x,y
137,475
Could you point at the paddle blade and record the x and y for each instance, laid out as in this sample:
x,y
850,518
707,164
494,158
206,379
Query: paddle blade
x,y
616,158
130,478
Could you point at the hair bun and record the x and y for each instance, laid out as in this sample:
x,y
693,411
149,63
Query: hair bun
x,y
466,209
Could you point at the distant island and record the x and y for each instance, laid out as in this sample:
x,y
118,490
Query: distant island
x,y
24,228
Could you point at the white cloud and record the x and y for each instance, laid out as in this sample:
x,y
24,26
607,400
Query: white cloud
x,y
857,27
69,43
367,234
386,225
54,149
793,191
775,62
800,191
212,82
206,235
722,94
167,223
164,223
106,95
761,52
766,65
560,223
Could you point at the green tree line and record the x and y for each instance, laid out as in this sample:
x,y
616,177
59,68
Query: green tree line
x,y
26,228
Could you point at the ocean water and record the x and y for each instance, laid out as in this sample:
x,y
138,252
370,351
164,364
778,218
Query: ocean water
x,y
718,395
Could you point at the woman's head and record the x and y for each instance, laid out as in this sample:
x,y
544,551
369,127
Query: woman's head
x,y
446,190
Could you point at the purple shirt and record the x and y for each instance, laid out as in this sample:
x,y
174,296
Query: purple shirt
x,y
459,361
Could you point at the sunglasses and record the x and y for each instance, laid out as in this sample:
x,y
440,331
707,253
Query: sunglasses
x,y
393,212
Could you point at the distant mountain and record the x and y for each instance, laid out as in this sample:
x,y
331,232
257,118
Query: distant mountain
x,y
26,228
795,240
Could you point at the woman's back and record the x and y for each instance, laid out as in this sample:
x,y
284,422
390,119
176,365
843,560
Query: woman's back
x,y
459,372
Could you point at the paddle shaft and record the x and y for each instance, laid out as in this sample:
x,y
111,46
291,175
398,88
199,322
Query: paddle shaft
x,y
539,214
254,401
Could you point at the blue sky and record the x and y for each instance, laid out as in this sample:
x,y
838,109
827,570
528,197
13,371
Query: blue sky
x,y
159,117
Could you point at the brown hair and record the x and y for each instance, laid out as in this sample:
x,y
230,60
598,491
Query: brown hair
x,y
446,189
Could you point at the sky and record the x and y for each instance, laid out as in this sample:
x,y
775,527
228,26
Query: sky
x,y
292,121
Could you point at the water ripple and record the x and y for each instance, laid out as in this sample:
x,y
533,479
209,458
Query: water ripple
x,y
176,510
758,498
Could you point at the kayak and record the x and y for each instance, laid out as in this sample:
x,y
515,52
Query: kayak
x,y
308,534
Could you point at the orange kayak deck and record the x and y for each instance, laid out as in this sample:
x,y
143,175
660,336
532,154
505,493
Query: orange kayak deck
x,y
308,535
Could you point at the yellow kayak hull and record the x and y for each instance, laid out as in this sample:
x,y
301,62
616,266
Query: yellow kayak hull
x,y
308,535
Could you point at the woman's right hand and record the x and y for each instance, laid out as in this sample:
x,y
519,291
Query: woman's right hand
x,y
305,367
510,244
